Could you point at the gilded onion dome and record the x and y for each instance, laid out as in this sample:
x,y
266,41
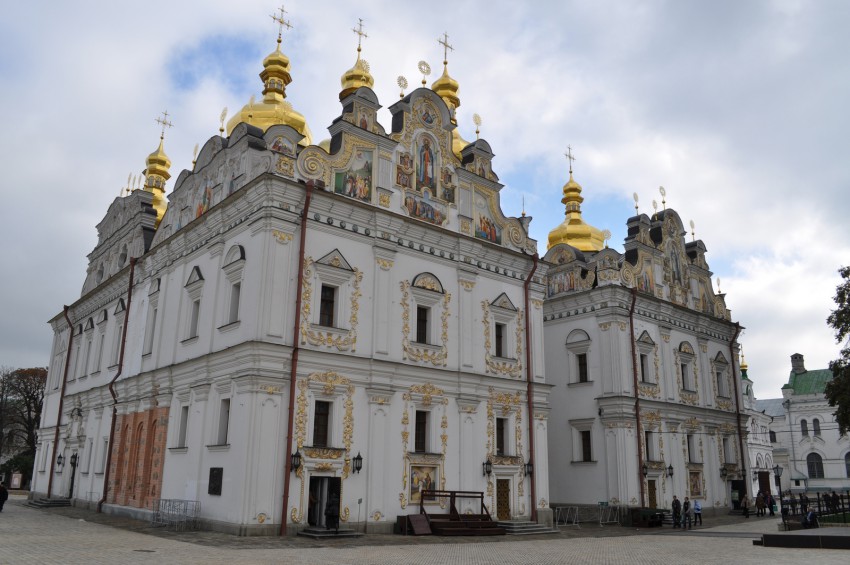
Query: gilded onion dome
x,y
447,88
156,174
575,231
356,76
273,109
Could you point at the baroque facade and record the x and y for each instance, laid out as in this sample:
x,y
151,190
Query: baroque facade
x,y
640,352
363,303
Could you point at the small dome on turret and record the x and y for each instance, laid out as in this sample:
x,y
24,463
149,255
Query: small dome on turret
x,y
157,172
574,230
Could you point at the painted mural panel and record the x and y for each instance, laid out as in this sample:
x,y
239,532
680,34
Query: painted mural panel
x,y
404,170
283,145
423,477
485,226
424,208
356,181
426,164
646,280
561,282
447,191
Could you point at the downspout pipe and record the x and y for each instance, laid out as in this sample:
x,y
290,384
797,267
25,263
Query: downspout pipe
x,y
638,428
61,401
744,455
294,361
112,387
530,392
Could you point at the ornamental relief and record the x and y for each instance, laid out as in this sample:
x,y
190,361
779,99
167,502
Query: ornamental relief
x,y
509,367
507,404
424,394
345,341
437,357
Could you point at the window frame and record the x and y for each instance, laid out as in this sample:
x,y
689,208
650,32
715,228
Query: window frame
x,y
814,462
578,344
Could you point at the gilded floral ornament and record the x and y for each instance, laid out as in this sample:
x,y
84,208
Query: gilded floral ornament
x,y
495,365
346,341
436,356
282,237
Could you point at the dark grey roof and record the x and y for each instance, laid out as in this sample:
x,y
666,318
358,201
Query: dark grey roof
x,y
771,406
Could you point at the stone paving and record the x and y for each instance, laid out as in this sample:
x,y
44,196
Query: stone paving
x,y
70,535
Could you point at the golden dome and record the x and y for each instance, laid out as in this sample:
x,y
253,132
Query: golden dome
x,y
446,88
574,230
458,143
273,109
355,77
156,174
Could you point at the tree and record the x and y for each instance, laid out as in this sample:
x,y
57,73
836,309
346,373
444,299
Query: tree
x,y
24,396
837,390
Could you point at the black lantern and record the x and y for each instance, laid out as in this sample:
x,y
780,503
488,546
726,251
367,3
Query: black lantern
x,y
723,472
645,470
488,467
755,473
529,468
295,460
777,471
669,470
60,460
358,462
74,459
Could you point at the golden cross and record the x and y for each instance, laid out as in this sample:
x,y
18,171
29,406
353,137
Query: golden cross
x,y
163,121
570,158
281,22
444,41
360,33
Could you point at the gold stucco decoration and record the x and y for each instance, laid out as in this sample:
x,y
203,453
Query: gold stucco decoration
x,y
344,342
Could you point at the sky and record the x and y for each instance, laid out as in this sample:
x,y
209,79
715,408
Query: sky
x,y
739,109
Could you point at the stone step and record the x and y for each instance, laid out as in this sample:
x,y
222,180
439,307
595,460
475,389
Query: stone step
x,y
322,533
520,528
49,502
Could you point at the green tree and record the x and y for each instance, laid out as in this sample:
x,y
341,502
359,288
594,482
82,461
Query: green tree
x,y
21,397
838,389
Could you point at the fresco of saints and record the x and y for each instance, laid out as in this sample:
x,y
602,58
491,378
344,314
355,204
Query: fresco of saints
x,y
425,172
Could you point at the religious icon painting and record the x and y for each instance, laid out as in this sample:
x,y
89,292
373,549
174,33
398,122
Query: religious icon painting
x,y
283,145
485,226
426,164
425,209
356,181
448,186
204,197
645,280
695,483
363,119
422,478
404,170
561,282
427,115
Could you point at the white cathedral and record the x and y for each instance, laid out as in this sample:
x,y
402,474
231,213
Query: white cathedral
x,y
359,321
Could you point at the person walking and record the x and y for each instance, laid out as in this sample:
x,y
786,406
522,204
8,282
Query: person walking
x,y
771,503
677,512
804,504
4,495
688,511
745,506
793,502
760,504
836,502
697,512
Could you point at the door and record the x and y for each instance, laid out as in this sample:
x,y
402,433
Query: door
x,y
503,499
322,491
764,481
653,502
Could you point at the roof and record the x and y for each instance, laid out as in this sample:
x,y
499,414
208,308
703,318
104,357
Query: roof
x,y
771,406
810,382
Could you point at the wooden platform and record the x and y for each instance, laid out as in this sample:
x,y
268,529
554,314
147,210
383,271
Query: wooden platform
x,y
453,523
817,538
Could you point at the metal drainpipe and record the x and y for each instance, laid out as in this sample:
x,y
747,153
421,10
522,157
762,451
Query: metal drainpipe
x,y
112,389
530,392
294,361
637,399
744,455
61,402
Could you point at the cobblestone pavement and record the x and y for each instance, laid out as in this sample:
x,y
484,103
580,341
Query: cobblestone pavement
x,y
70,535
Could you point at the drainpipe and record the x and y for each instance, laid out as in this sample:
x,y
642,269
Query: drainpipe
x,y
112,389
294,361
61,402
787,404
638,427
744,455
530,392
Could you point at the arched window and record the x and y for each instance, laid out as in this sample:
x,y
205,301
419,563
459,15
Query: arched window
x,y
815,464
804,427
816,426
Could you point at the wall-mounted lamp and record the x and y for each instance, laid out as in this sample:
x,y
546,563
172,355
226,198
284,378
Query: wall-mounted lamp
x,y
487,467
529,468
723,472
645,470
295,460
669,470
60,460
358,462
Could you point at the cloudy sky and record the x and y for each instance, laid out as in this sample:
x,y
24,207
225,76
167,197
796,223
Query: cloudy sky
x,y
739,109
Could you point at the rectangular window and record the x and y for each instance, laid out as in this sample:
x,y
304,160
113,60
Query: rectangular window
x,y
582,367
692,450
644,368
184,424
193,318
116,343
327,305
421,433
99,355
686,378
87,462
235,293
721,384
149,331
501,425
727,451
223,421
104,453
649,443
87,357
422,324
772,436
586,454
500,340
321,424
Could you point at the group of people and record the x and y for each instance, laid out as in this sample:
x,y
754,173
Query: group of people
x,y
686,515
764,503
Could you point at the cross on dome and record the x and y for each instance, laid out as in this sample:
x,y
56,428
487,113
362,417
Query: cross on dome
x,y
282,23
163,121
444,41
570,158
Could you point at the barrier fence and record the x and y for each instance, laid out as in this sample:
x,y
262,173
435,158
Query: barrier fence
x,y
177,514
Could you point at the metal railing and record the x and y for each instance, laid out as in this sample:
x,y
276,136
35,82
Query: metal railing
x,y
177,514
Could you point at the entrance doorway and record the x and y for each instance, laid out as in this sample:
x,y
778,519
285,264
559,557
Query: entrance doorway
x,y
764,481
503,499
653,501
321,490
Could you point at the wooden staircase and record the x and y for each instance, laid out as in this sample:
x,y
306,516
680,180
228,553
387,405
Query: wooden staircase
x,y
456,524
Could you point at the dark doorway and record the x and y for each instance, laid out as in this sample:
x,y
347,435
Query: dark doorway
x,y
653,500
739,489
503,499
321,489
764,481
